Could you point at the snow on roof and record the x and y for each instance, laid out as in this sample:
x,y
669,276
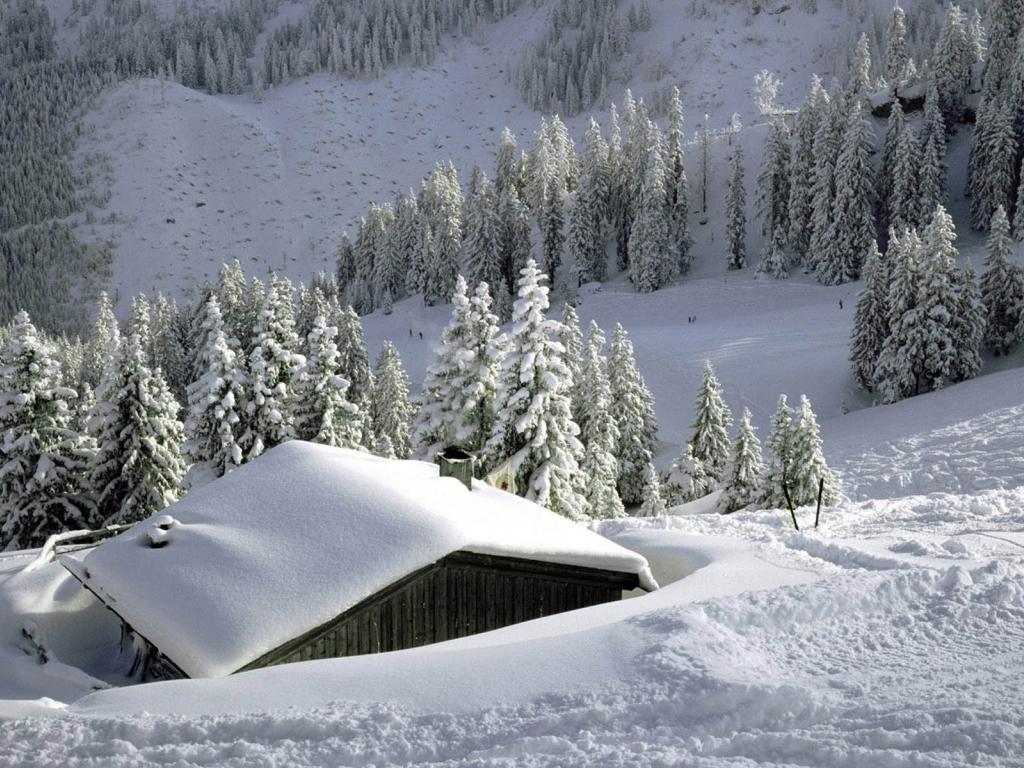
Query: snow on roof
x,y
302,534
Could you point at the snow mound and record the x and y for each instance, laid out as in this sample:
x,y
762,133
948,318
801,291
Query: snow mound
x,y
295,538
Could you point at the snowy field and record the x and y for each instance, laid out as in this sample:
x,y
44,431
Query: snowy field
x,y
893,635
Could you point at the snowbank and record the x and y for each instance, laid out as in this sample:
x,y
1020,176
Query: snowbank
x,y
295,538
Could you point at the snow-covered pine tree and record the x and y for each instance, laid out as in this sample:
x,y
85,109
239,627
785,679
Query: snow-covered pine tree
x,y
1002,288
651,264
801,186
968,325
1018,215
711,422
322,411
809,464
514,240
390,407
676,188
481,246
508,172
534,426
778,472
599,431
634,413
273,364
1004,21
101,344
858,89
586,236
904,209
895,126
686,479
995,180
169,353
137,468
897,54
446,212
931,178
736,214
827,143
773,198
140,323
870,320
951,65
896,374
939,301
551,221
216,402
852,218
571,338
742,484
43,459
353,360
653,504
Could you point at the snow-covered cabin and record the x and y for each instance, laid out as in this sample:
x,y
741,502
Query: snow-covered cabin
x,y
315,552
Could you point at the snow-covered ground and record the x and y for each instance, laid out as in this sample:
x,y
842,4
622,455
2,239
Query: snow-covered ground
x,y
892,635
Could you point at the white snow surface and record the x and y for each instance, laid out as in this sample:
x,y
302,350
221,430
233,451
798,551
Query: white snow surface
x,y
297,537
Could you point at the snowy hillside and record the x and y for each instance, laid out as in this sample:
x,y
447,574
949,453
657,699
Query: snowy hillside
x,y
197,180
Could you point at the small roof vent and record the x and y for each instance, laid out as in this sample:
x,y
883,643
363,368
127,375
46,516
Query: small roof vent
x,y
458,463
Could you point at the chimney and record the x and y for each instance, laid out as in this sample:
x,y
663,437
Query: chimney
x,y
458,463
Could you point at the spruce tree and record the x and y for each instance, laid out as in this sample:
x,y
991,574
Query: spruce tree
x,y
711,422
742,485
852,219
216,402
653,504
446,212
552,224
939,301
390,408
895,127
571,338
801,187
996,180
778,474
651,265
896,52
599,431
481,246
827,143
273,365
736,214
904,208
322,411
870,320
931,184
534,426
102,343
169,353
951,63
809,464
353,360
677,188
686,479
43,459
137,468
896,373
514,239
586,236
773,191
1002,288
634,412
968,325
456,402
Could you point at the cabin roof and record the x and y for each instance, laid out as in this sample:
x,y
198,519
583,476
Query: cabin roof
x,y
302,534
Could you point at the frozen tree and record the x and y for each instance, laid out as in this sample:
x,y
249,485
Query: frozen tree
x,y
711,422
456,402
686,479
390,408
976,38
736,214
742,485
353,360
600,432
508,172
102,342
968,325
895,128
651,264
514,240
897,54
778,474
481,246
139,323
322,411
445,210
852,229
827,143
895,376
273,365
653,504
870,320
931,178
634,412
804,162
938,291
859,86
137,467
215,402
904,208
676,188
551,220
809,465
169,346
43,459
993,157
571,338
1002,288
951,65
534,426
773,193
586,236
